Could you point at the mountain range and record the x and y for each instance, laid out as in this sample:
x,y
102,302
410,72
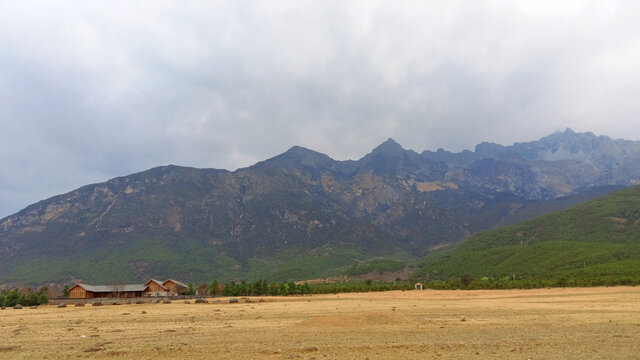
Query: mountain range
x,y
302,214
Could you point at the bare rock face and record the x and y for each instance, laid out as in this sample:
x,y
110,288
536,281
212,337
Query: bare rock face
x,y
212,222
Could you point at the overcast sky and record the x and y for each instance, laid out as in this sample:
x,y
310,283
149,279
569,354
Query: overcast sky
x,y
92,90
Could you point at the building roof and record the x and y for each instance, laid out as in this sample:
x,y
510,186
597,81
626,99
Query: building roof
x,y
157,282
175,282
128,287
110,288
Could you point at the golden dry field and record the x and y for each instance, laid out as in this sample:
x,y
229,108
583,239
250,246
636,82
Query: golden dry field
x,y
577,323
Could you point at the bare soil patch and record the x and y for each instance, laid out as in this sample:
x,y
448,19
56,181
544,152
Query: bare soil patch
x,y
587,323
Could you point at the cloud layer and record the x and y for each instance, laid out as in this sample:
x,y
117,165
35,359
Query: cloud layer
x,y
94,90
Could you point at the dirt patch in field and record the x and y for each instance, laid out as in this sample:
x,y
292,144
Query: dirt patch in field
x,y
364,319
567,323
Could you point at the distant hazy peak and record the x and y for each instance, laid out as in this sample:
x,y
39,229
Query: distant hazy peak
x,y
299,151
487,149
301,155
568,134
390,147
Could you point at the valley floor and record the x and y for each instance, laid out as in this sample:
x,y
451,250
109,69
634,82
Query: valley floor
x,y
571,323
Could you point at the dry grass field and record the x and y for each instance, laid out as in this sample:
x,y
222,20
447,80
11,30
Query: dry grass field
x,y
585,323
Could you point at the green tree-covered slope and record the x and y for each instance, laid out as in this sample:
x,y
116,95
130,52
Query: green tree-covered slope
x,y
598,239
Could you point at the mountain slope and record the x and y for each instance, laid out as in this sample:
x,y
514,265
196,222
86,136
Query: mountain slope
x,y
302,214
600,238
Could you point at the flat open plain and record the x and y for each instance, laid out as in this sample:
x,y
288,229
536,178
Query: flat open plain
x,y
578,323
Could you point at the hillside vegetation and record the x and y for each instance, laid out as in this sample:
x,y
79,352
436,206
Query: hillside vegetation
x,y
595,241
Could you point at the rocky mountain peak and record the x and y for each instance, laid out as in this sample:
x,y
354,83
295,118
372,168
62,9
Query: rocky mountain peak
x,y
569,136
303,156
389,147
299,151
571,142
486,149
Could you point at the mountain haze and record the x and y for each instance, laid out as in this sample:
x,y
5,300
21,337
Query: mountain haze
x,y
302,214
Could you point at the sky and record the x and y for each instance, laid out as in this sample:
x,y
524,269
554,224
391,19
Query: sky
x,y
91,90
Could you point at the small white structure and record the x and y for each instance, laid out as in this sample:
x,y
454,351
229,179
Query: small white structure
x,y
418,286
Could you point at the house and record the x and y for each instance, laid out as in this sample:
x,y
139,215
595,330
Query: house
x,y
175,287
83,291
202,290
153,288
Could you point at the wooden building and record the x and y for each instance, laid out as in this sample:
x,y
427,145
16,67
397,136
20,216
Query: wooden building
x,y
202,290
83,291
176,287
155,288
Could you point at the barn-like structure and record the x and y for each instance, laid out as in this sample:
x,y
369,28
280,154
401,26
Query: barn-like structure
x,y
176,287
84,291
153,288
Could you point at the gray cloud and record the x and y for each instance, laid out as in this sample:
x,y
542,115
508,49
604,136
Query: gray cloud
x,y
90,91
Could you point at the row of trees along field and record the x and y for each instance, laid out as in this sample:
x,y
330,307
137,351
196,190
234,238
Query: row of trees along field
x,y
25,297
262,287
466,282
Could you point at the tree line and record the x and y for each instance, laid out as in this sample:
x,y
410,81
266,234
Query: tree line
x,y
24,297
463,282
263,288
466,282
